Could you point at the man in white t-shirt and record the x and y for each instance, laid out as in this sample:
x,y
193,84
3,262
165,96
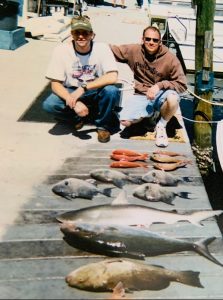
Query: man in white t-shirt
x,y
83,74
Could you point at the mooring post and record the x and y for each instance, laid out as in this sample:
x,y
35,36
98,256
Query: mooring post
x,y
204,83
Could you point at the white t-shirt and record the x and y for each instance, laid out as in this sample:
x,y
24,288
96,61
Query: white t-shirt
x,y
73,69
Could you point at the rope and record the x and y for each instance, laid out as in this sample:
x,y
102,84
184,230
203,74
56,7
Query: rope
x,y
205,100
131,87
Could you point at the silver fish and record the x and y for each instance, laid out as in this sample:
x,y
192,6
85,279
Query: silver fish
x,y
115,177
105,275
128,241
133,214
71,188
161,177
154,193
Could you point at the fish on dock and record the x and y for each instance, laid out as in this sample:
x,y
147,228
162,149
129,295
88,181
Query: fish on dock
x,y
122,157
170,166
103,276
132,214
128,152
128,164
161,177
163,158
131,242
169,153
155,193
71,188
115,177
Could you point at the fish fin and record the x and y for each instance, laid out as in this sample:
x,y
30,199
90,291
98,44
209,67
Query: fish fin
x,y
118,291
196,217
92,181
119,183
107,191
184,195
201,248
121,199
189,278
168,201
136,179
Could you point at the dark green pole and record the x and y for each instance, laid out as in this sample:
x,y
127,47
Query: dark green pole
x,y
204,82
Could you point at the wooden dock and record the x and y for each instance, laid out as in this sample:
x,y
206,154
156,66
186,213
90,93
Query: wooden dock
x,y
34,258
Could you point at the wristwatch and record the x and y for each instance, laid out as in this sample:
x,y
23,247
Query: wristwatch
x,y
84,86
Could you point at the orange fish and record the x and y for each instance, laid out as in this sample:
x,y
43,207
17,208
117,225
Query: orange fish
x,y
122,157
127,164
127,152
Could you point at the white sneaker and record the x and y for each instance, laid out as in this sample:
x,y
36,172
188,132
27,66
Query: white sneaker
x,y
161,136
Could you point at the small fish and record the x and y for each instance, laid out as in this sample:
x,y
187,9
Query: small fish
x,y
127,152
170,166
170,153
135,276
161,177
154,193
131,242
128,164
118,178
166,158
142,157
71,188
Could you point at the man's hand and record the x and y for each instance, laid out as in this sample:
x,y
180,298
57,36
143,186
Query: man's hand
x,y
72,98
152,91
81,109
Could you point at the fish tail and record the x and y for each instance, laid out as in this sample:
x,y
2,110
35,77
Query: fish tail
x,y
107,192
201,248
184,195
189,278
199,216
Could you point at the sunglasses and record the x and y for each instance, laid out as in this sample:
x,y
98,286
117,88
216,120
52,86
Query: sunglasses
x,y
148,39
83,33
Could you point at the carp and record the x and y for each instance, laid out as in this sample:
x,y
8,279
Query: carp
x,y
118,178
154,192
71,188
128,241
135,276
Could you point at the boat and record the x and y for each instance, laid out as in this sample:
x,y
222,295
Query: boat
x,y
177,24
219,142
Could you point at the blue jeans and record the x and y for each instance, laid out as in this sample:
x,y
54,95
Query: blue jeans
x,y
103,105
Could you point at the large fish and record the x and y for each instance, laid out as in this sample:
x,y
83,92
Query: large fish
x,y
71,188
154,193
161,177
135,276
128,241
132,214
118,178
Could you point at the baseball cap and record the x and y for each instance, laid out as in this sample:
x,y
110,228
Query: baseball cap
x,y
81,22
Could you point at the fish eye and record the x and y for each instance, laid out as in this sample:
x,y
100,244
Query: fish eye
x,y
154,174
66,182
